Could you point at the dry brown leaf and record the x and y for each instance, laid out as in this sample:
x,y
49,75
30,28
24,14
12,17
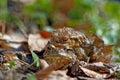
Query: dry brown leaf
x,y
93,74
44,34
98,68
59,75
42,74
4,45
52,74
36,42
92,70
75,70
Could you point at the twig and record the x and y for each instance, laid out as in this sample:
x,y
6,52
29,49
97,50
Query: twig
x,y
2,25
21,26
8,41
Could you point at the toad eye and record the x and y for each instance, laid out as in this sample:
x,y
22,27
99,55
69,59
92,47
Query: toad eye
x,y
51,46
65,39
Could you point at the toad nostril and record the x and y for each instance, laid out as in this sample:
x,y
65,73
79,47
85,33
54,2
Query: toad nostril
x,y
48,47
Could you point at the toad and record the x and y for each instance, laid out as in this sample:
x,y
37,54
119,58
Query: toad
x,y
66,46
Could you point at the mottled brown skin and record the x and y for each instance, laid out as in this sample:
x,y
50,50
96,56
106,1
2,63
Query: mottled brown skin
x,y
66,46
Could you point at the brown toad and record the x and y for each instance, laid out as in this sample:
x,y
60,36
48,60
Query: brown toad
x,y
67,46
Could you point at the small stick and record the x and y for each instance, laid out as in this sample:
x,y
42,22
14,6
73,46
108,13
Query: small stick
x,y
2,26
14,42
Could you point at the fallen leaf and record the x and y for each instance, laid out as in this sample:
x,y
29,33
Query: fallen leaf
x,y
75,70
36,42
4,45
42,74
93,74
44,34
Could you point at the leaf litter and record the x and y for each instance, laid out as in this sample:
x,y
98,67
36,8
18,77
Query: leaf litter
x,y
43,57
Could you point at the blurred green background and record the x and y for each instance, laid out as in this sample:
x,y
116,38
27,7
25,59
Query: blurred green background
x,y
101,17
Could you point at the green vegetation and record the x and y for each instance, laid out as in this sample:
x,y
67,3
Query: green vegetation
x,y
36,61
12,63
32,77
